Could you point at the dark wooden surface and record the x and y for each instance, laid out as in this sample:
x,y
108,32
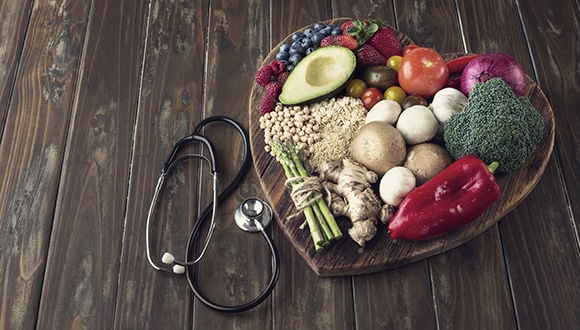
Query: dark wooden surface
x,y
93,94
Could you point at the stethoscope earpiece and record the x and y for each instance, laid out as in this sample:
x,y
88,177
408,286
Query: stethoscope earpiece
x,y
253,215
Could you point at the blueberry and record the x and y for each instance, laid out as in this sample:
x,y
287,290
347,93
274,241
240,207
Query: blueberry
x,y
284,48
289,67
309,32
294,59
306,43
285,62
336,31
296,48
309,50
326,31
282,55
297,36
317,37
318,26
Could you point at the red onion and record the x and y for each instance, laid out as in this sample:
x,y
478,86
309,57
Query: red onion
x,y
493,65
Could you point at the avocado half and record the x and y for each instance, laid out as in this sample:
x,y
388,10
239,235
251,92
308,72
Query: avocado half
x,y
321,74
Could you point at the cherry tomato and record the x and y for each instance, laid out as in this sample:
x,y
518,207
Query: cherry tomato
x,y
395,93
409,48
355,88
371,96
394,61
423,72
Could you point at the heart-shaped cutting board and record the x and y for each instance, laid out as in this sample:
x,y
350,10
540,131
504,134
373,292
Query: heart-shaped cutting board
x,y
345,257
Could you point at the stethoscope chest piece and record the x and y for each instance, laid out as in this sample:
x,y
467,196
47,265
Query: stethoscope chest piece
x,y
251,211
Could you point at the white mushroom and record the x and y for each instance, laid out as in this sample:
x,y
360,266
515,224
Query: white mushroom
x,y
447,102
396,184
417,124
384,110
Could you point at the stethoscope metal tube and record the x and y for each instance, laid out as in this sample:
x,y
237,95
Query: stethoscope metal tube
x,y
253,215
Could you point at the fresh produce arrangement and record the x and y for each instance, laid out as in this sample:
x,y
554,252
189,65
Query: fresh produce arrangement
x,y
390,134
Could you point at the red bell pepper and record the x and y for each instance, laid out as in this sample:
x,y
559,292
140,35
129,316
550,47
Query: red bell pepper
x,y
456,196
456,65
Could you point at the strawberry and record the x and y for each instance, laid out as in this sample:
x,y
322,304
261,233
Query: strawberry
x,y
386,42
361,30
340,40
367,55
345,26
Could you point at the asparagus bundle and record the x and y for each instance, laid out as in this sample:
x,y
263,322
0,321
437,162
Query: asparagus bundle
x,y
323,226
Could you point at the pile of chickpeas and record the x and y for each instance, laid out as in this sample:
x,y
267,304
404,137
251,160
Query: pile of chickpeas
x,y
290,122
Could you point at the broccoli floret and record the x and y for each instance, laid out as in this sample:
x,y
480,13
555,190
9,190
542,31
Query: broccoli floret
x,y
495,125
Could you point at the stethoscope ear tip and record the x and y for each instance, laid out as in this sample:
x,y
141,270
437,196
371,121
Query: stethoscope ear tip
x,y
168,258
178,269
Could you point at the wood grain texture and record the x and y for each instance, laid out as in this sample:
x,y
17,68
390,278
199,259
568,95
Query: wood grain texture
x,y
31,152
93,95
557,69
14,16
88,224
345,257
542,243
236,267
169,106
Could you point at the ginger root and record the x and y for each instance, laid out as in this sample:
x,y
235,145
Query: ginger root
x,y
351,195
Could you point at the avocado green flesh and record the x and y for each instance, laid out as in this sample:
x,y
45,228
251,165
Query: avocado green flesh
x,y
320,74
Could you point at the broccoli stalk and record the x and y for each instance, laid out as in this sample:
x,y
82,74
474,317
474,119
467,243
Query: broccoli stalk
x,y
496,126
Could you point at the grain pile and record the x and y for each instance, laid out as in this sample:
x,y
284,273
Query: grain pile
x,y
322,130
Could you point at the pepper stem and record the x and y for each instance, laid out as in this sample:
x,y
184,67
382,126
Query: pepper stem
x,y
493,166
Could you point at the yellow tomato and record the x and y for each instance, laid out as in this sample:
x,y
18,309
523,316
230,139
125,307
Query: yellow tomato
x,y
394,61
395,93
355,88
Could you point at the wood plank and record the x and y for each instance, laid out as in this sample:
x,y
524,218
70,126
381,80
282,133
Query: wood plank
x,y
236,267
31,153
548,29
169,100
470,287
14,16
89,216
542,239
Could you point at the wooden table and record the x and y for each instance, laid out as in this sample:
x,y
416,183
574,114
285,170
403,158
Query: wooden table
x,y
93,94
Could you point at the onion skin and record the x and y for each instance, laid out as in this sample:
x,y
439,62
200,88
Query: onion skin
x,y
492,65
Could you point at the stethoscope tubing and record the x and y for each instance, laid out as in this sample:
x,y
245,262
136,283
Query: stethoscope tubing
x,y
209,213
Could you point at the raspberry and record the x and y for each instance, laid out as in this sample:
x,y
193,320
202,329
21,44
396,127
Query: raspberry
x,y
264,75
277,67
273,89
268,104
282,76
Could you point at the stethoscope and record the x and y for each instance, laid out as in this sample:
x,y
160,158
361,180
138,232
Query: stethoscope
x,y
253,215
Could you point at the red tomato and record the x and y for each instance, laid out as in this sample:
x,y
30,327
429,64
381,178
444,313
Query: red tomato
x,y
409,48
370,97
423,72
